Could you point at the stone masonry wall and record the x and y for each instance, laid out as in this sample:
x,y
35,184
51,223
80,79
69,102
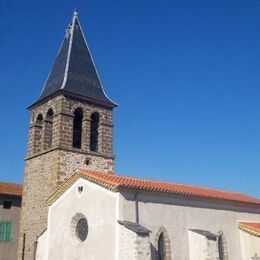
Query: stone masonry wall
x,y
62,126
69,162
51,159
39,182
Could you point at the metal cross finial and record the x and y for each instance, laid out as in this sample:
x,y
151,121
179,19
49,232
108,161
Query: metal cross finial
x,y
75,13
255,257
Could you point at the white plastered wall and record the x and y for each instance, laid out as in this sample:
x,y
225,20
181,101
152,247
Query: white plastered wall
x,y
41,253
250,245
133,246
98,205
178,215
200,247
103,208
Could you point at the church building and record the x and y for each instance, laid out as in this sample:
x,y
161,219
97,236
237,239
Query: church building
x,y
74,206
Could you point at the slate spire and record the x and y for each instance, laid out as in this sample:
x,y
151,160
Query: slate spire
x,y
74,71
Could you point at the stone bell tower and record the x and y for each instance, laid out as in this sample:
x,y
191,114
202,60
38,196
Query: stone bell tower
x,y
70,127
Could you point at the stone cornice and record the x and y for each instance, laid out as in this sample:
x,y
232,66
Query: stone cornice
x,y
73,150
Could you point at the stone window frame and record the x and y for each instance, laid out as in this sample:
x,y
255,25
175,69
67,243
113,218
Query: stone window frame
x,y
167,240
224,246
73,225
39,118
39,121
43,114
49,115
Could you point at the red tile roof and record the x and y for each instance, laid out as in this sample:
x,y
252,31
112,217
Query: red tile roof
x,y
116,183
7,188
250,227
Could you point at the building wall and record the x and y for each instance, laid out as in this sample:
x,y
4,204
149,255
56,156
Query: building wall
x,y
98,205
40,180
8,250
200,247
175,216
133,246
48,165
250,246
70,161
178,215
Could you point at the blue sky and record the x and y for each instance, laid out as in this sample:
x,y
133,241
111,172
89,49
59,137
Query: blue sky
x,y
184,73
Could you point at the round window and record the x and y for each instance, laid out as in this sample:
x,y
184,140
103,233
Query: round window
x,y
82,229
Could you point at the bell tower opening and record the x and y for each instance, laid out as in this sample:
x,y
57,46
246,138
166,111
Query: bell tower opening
x,y
48,129
77,128
94,132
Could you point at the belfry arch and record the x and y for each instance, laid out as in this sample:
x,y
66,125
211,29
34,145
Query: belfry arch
x,y
48,129
94,132
77,128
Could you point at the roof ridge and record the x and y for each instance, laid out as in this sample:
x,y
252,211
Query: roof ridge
x,y
71,32
115,183
168,183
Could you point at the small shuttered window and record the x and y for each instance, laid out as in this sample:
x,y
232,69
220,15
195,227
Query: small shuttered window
x,y
5,231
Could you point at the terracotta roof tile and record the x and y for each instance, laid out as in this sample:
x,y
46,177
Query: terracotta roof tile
x,y
118,182
250,227
10,188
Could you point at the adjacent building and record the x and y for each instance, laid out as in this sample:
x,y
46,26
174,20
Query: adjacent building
x,y
10,207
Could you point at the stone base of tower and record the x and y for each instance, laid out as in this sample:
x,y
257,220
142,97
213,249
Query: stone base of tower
x,y
43,173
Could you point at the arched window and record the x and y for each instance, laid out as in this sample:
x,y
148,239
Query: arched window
x,y
39,119
38,133
94,132
161,247
48,129
50,114
222,247
77,128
